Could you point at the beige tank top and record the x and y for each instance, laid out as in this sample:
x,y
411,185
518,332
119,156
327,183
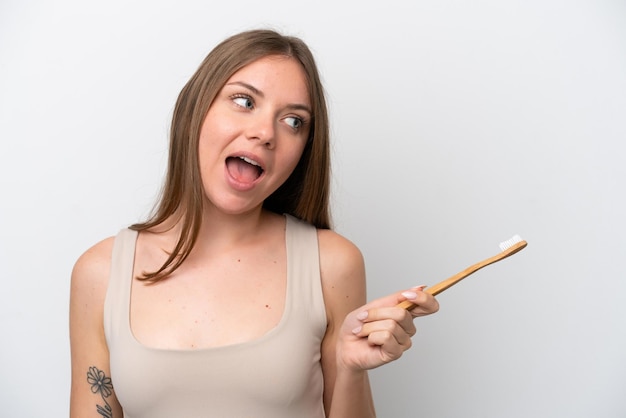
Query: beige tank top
x,y
276,376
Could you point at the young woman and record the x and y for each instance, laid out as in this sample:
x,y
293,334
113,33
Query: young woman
x,y
236,299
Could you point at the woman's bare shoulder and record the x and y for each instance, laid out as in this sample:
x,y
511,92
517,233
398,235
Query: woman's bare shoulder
x,y
91,270
338,249
342,268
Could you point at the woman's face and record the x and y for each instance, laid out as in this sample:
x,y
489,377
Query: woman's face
x,y
254,133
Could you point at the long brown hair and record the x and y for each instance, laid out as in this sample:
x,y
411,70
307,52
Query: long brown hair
x,y
305,194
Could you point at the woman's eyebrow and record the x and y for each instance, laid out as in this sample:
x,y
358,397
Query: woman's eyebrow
x,y
248,86
300,107
295,106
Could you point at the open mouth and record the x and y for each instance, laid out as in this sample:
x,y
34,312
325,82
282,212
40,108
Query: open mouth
x,y
243,169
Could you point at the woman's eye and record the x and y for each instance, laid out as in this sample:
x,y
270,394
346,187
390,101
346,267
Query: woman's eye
x,y
244,102
294,122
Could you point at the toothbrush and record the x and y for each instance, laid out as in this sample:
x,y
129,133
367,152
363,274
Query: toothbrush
x,y
508,248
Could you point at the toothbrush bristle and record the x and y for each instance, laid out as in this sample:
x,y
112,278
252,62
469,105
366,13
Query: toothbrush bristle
x,y
511,242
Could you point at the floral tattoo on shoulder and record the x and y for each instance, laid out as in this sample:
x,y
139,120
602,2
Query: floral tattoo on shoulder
x,y
101,385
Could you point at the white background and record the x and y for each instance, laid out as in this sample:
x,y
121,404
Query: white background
x,y
456,124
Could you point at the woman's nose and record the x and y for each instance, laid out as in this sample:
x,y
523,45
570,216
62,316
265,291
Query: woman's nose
x,y
262,128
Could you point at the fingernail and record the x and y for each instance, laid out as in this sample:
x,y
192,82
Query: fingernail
x,y
357,330
361,315
409,295
420,287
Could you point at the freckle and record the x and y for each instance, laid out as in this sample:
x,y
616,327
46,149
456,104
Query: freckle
x,y
239,260
267,306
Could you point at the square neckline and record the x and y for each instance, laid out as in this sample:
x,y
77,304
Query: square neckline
x,y
272,332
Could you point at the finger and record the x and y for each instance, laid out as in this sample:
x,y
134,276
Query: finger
x,y
416,293
426,303
390,348
397,316
389,340
385,329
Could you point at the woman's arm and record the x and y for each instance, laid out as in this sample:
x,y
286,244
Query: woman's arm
x,y
347,393
92,392
359,337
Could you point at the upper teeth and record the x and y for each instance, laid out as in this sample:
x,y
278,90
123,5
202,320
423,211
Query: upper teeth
x,y
249,161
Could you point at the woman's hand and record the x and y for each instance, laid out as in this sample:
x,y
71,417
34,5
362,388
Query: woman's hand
x,y
379,332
